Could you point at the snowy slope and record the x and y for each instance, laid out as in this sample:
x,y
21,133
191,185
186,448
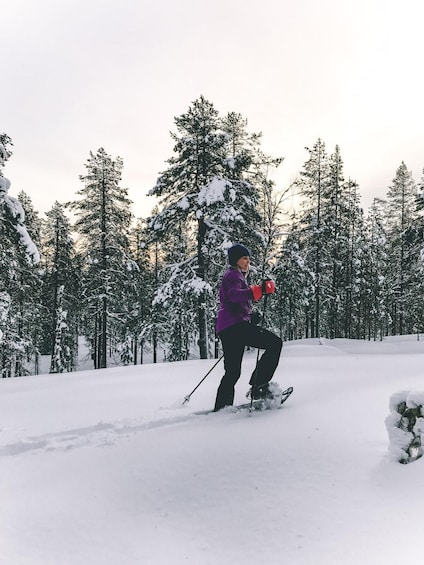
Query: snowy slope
x,y
107,468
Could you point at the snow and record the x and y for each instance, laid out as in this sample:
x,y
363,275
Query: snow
x,y
213,192
231,162
405,425
16,210
30,247
184,203
4,182
108,467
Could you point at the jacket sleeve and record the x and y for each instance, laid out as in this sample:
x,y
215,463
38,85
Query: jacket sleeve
x,y
237,291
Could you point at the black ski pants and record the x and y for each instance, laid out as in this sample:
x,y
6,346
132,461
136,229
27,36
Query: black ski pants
x,y
234,339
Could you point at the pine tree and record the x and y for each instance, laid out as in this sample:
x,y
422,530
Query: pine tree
x,y
177,294
31,278
60,291
313,185
324,250
336,239
418,267
377,320
150,259
295,287
401,220
103,223
19,281
358,295
199,150
138,308
207,202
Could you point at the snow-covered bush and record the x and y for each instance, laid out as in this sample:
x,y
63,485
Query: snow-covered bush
x,y
405,425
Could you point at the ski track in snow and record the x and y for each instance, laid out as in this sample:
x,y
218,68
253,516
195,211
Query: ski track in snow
x,y
105,433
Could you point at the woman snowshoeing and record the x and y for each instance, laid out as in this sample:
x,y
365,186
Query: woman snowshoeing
x,y
236,331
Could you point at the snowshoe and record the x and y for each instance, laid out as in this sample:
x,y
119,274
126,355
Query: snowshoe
x,y
268,396
260,392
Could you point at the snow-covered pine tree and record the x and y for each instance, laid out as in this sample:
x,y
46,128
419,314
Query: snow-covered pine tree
x,y
357,296
14,214
177,296
336,239
31,279
295,288
342,221
19,281
7,267
418,267
419,235
103,223
140,315
348,257
377,320
198,156
275,226
401,220
234,212
153,327
313,186
324,251
207,202
60,291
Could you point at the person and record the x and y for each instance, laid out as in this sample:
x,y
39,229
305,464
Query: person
x,y
235,330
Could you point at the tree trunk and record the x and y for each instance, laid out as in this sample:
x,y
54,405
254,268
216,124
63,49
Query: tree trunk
x,y
103,336
201,309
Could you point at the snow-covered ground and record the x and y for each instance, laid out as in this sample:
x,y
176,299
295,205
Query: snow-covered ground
x,y
108,468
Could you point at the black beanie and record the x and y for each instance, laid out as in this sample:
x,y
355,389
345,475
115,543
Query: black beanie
x,y
235,252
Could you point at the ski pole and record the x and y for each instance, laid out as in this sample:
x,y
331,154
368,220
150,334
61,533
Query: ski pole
x,y
255,372
187,398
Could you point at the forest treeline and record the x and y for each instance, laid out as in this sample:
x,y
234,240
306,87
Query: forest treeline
x,y
149,286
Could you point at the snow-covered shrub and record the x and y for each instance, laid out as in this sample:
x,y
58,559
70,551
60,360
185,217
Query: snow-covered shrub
x,y
405,426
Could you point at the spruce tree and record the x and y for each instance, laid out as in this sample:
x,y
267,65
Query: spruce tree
x,y
139,311
199,156
149,257
313,186
208,200
31,278
401,220
103,223
19,281
377,320
295,287
60,291
323,250
418,267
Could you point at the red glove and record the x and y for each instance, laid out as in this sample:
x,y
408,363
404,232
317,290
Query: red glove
x,y
256,291
268,286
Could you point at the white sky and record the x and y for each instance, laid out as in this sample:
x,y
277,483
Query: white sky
x,y
82,74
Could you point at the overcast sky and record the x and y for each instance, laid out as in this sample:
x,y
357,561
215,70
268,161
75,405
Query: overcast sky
x,y
82,74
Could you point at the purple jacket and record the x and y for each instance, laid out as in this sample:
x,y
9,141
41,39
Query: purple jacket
x,y
235,296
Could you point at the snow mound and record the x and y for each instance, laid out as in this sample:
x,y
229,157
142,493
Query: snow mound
x,y
405,426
